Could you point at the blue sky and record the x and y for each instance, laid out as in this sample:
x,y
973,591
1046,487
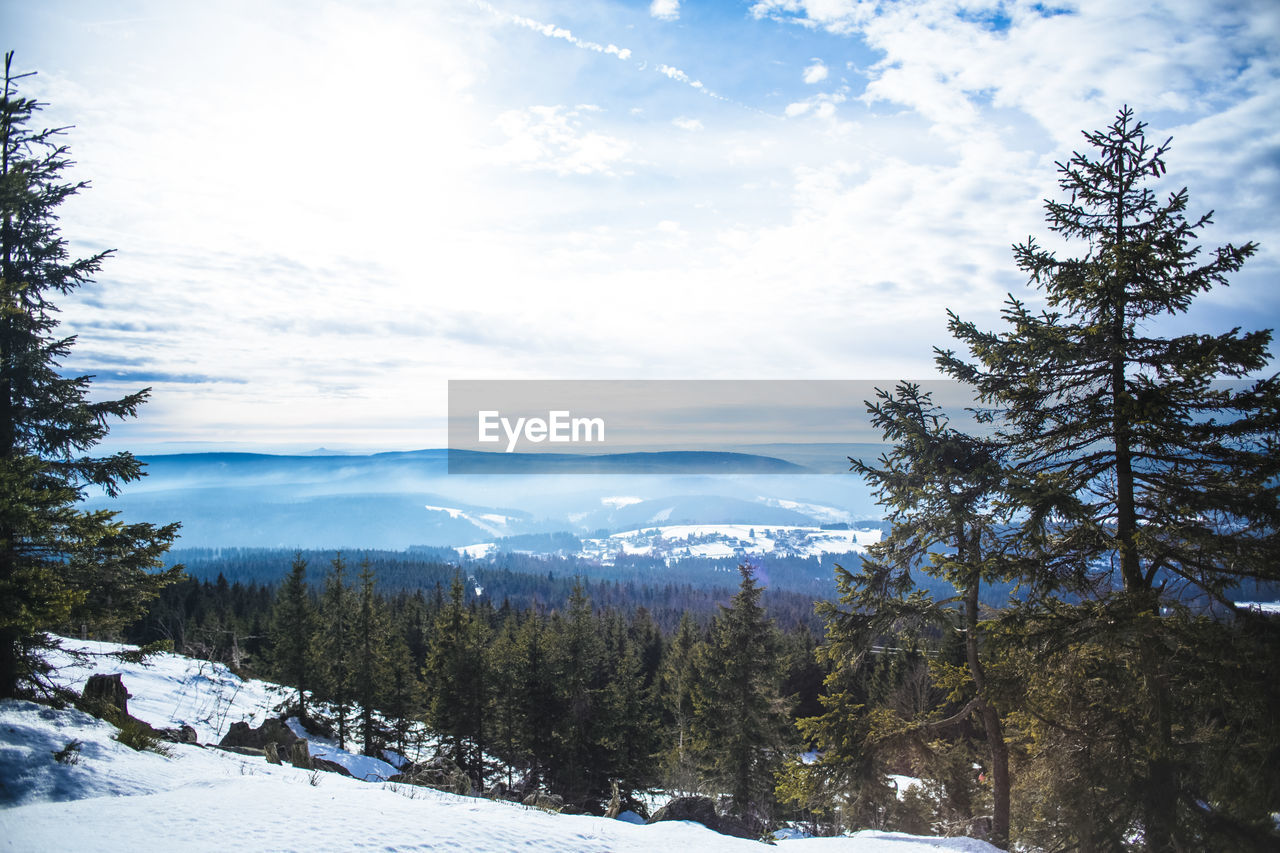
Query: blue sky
x,y
324,211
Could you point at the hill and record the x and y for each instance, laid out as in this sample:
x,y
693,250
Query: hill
x,y
199,798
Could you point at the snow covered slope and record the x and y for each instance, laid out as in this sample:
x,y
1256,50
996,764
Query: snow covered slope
x,y
113,798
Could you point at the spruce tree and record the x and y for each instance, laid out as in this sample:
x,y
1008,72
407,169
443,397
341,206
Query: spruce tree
x,y
458,682
740,718
1146,468
370,661
60,567
679,675
293,628
334,646
577,659
943,491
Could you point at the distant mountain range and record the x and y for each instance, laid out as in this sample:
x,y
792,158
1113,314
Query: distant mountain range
x,y
400,499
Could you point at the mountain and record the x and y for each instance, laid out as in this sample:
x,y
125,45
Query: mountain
x,y
401,499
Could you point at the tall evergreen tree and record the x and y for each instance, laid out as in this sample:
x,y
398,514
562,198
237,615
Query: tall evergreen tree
x,y
943,491
370,659
59,566
577,659
1135,465
293,632
458,682
740,718
334,646
679,675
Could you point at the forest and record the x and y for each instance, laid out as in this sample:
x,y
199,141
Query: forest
x,y
1128,489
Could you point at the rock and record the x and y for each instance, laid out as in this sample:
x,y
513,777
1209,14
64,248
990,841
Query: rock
x,y
497,791
697,809
727,824
702,810
329,766
182,734
106,691
272,730
439,773
543,800
272,753
300,755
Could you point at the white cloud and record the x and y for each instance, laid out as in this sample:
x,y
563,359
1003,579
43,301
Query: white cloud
x,y
554,31
815,73
665,10
1066,69
822,105
401,210
553,138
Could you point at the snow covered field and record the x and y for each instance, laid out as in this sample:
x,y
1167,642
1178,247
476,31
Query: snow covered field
x,y
673,541
110,797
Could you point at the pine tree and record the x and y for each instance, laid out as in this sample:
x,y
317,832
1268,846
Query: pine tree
x,y
403,695
1134,464
943,491
293,632
59,566
740,719
370,661
458,682
334,646
679,674
577,658
628,727
508,663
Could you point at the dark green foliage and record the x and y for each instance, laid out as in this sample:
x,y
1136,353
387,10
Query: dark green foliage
x,y
370,663
69,754
1134,465
292,631
1128,447
741,721
335,648
60,568
458,682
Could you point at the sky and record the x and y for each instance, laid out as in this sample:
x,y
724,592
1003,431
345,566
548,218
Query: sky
x,y
323,212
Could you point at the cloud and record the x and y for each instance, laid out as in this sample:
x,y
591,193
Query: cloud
x,y
691,124
815,73
553,31
553,138
665,10
821,106
1065,67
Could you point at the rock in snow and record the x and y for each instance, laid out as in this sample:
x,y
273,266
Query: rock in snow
x,y
101,795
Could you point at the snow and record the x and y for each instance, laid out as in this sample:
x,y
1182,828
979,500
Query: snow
x,y
200,798
712,540
1261,606
729,540
902,784
477,552
360,766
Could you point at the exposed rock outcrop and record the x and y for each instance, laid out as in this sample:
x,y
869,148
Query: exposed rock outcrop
x,y
243,735
439,773
702,810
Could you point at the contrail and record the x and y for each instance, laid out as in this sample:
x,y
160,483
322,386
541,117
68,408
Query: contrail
x,y
623,53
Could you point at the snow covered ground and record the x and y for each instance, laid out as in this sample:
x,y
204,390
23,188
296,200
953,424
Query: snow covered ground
x,y
673,541
109,797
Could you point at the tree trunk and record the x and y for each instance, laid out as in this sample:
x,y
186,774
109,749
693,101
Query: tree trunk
x,y
990,723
